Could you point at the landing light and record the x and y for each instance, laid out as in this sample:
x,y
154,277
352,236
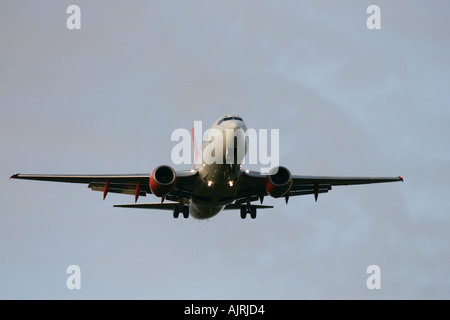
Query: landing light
x,y
210,183
230,183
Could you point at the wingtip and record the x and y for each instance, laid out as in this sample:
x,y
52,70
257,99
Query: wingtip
x,y
14,176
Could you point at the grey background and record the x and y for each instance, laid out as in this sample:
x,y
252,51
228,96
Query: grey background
x,y
106,98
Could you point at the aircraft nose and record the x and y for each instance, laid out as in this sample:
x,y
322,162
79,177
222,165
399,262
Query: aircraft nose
x,y
233,125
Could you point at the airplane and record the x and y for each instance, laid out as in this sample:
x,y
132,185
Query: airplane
x,y
209,188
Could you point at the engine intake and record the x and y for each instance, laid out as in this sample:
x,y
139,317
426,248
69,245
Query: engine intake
x,y
162,180
278,182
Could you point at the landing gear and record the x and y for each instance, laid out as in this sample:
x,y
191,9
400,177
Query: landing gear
x,y
184,210
248,210
176,212
243,212
253,212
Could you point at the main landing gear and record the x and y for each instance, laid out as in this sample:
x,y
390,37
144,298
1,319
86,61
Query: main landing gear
x,y
248,210
183,209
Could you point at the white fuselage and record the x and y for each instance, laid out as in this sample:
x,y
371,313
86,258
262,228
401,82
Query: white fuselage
x,y
220,167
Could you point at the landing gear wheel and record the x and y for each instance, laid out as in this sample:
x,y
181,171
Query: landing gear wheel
x,y
253,212
243,212
176,212
186,212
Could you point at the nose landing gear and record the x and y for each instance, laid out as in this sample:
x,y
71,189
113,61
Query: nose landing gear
x,y
183,209
248,209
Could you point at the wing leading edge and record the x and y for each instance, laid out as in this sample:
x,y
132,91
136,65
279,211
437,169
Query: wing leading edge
x,y
133,184
255,182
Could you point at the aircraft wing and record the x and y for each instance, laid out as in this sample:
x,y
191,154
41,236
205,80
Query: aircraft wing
x,y
302,185
254,184
133,184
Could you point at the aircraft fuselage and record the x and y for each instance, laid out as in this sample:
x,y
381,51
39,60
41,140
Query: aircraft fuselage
x,y
217,183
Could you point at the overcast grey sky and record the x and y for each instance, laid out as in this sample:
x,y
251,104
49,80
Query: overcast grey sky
x,y
106,98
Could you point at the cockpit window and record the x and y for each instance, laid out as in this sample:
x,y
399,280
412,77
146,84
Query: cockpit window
x,y
229,118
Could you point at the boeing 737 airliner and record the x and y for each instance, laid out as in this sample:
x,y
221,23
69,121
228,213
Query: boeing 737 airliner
x,y
209,188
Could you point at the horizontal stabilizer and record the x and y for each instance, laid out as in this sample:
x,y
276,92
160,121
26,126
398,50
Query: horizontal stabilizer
x,y
238,206
156,205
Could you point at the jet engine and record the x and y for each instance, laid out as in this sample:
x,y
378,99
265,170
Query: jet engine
x,y
278,182
162,180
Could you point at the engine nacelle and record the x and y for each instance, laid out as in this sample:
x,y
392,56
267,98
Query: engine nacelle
x,y
162,180
279,183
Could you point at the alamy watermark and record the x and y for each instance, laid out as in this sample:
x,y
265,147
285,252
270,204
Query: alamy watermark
x,y
73,22
373,22
227,146
374,280
74,280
